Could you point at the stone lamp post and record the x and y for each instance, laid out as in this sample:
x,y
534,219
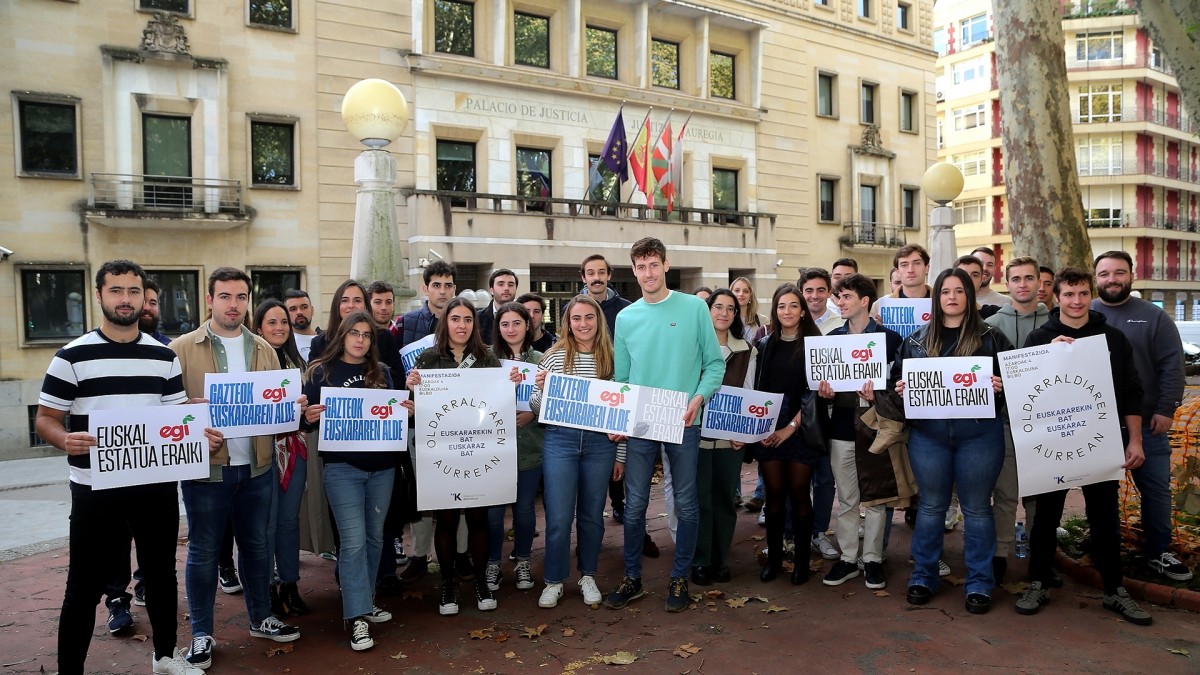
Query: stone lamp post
x,y
942,183
376,112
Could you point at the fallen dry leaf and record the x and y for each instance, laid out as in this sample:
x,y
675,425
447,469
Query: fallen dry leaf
x,y
694,597
1181,652
684,651
816,565
139,637
620,659
772,609
481,633
847,595
736,602
714,594
501,637
399,655
953,580
510,655
759,598
281,649
757,537
413,595
1016,587
568,632
881,594
533,632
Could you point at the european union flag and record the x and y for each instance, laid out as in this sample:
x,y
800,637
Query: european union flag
x,y
615,154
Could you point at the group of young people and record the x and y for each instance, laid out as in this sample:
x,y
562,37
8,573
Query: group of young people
x,y
277,493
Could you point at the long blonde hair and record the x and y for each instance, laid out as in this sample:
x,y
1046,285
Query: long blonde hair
x,y
602,350
751,307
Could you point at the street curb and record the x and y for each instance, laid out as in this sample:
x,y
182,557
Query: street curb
x,y
1167,596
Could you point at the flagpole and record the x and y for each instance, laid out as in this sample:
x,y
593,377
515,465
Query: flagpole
x,y
641,130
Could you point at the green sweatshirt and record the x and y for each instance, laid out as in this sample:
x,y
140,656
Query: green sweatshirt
x,y
669,344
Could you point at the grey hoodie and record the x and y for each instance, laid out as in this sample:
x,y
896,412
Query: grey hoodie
x,y
1015,326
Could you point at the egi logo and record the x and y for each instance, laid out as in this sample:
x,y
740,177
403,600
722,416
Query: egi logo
x,y
967,379
276,395
383,411
524,374
178,432
759,411
863,354
614,398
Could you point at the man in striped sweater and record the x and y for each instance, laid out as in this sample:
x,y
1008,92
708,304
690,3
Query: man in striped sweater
x,y
115,366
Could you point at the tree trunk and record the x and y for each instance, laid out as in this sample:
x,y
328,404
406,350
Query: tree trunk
x,y
1045,205
1174,25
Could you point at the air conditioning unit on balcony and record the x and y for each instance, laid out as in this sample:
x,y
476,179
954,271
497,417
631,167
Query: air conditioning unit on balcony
x,y
941,96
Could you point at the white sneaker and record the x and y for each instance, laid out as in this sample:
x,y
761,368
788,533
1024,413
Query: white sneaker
x,y
174,665
551,595
524,576
360,636
762,517
943,569
377,615
822,545
591,594
952,519
493,576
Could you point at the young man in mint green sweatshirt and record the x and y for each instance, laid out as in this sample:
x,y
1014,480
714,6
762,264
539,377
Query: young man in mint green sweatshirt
x,y
665,340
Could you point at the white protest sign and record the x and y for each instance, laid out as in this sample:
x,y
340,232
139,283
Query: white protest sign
x,y
744,415
254,404
613,407
950,387
847,361
1062,408
410,352
138,446
466,439
528,372
363,420
904,315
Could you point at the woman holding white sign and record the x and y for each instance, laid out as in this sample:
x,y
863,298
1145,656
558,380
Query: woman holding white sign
x,y
358,484
458,345
577,464
947,453
785,460
512,339
718,473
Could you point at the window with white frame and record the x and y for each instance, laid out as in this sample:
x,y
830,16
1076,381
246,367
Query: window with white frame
x,y
1102,207
1099,46
970,117
1099,103
970,211
972,163
1099,156
973,30
969,70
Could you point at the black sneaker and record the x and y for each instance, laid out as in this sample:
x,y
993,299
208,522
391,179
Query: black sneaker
x,y
627,592
1170,567
841,573
448,604
200,653
1124,605
119,618
677,595
139,596
274,629
485,600
1033,598
875,576
227,579
360,635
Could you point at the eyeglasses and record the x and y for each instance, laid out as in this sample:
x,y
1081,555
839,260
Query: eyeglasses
x,y
359,335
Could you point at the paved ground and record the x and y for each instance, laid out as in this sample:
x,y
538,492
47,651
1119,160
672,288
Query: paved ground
x,y
811,628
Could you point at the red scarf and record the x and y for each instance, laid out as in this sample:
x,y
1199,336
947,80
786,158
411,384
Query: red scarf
x,y
288,447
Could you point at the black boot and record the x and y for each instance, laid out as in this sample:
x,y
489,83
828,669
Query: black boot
x,y
800,569
277,607
774,547
290,596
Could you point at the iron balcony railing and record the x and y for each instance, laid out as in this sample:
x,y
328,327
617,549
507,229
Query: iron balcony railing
x,y
165,194
867,233
1180,172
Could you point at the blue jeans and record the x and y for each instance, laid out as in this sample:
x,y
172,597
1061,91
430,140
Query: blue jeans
x,y
822,494
966,453
640,458
577,466
1153,481
524,517
283,534
209,505
359,501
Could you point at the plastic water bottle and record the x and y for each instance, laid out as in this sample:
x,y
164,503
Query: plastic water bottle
x,y
1022,541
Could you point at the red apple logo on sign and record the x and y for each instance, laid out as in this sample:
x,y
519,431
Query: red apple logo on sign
x,y
276,395
177,432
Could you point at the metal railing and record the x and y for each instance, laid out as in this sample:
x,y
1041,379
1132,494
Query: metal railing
x,y
1080,9
1135,114
165,194
1157,221
585,208
1179,172
866,233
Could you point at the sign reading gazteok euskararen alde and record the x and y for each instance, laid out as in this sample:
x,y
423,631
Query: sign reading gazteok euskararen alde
x,y
846,362
254,404
613,407
138,446
743,415
904,315
363,420
528,372
948,387
465,436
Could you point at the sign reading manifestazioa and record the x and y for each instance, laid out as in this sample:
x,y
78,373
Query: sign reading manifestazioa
x,y
139,446
948,387
363,420
254,404
846,362
744,415
613,407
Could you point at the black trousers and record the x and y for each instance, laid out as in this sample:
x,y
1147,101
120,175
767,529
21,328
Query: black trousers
x,y
100,521
1101,505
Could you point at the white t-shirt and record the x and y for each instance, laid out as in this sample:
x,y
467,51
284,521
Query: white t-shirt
x,y
304,344
235,356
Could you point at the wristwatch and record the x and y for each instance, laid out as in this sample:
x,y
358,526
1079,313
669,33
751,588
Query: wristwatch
x,y
793,424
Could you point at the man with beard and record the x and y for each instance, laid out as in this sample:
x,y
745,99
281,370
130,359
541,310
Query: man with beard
x,y
1158,357
503,285
985,296
148,321
300,315
1045,293
241,479
114,366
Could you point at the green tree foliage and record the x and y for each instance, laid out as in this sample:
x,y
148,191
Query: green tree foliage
x,y
454,27
531,40
601,52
